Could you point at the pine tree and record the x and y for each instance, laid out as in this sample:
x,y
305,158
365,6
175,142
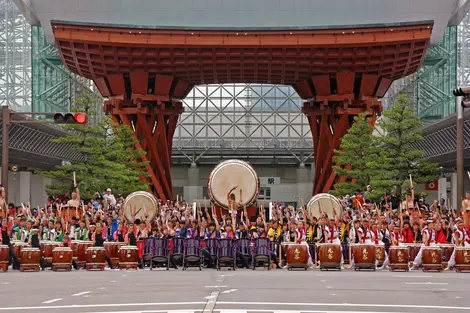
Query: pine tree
x,y
400,129
109,157
358,159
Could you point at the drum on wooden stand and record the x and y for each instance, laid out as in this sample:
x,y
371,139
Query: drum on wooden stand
x,y
46,251
4,257
462,259
399,258
413,251
75,249
95,258
112,248
229,174
447,250
82,247
128,257
143,203
432,259
62,259
380,254
30,259
17,246
330,256
296,256
364,256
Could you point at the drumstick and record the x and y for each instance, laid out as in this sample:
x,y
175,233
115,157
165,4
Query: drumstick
x,y
74,180
302,202
411,182
468,173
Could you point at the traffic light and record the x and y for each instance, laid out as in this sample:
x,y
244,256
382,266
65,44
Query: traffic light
x,y
70,118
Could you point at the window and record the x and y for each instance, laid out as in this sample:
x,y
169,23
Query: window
x,y
264,193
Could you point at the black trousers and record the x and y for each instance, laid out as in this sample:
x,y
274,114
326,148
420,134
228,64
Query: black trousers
x,y
243,259
210,259
13,259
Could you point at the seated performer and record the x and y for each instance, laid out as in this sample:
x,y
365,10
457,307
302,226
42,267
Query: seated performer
x,y
5,240
428,240
99,237
460,239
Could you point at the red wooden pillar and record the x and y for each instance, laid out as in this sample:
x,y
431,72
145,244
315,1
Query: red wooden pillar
x,y
329,121
154,127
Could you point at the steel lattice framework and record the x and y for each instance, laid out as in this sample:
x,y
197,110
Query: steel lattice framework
x,y
15,58
263,123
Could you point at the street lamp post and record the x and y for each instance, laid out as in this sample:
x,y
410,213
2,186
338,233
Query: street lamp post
x,y
462,100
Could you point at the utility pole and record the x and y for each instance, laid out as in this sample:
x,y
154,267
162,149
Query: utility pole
x,y
5,125
462,101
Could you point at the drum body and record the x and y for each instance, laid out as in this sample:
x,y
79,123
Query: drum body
x,y
112,248
17,246
75,248
227,253
380,254
399,258
231,173
62,259
330,256
462,259
432,259
67,214
297,256
30,259
46,249
4,257
82,247
128,257
95,258
413,250
447,250
243,246
364,256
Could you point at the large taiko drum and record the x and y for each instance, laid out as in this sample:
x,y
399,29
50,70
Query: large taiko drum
x,y
95,258
112,248
4,257
330,256
364,256
67,214
229,174
380,254
62,259
30,259
462,259
399,258
128,257
432,259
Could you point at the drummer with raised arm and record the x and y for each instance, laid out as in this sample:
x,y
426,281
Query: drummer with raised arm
x,y
74,202
231,199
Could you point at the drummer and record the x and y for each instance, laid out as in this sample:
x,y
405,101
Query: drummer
x,y
427,234
82,232
99,237
5,240
231,199
460,239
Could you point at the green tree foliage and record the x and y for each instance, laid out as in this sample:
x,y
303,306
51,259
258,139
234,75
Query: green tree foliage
x,y
399,130
359,160
109,157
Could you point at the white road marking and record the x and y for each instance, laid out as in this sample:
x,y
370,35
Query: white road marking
x,y
228,275
333,294
209,297
238,311
80,293
113,281
223,286
443,289
52,301
247,304
210,305
322,280
406,276
329,287
6,283
426,283
229,291
102,288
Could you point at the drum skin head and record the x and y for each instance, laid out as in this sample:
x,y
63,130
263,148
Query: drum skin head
x,y
141,201
229,174
326,203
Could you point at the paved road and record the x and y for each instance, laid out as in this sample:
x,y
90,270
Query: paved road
x,y
233,291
